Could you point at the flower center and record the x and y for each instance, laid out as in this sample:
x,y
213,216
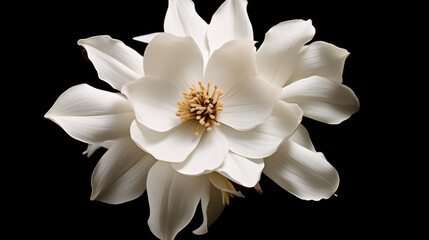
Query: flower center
x,y
201,106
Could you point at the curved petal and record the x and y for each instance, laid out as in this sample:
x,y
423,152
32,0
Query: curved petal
x,y
173,199
231,64
322,99
229,22
183,20
302,137
91,115
207,156
172,146
302,172
212,206
177,59
322,59
241,170
120,175
248,104
115,62
263,140
155,102
277,57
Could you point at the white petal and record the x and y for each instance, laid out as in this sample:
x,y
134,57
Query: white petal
x,y
173,199
211,205
155,102
120,175
322,99
177,59
115,62
223,184
147,37
230,64
182,20
92,115
207,156
302,137
263,140
230,22
302,172
322,59
241,170
172,146
278,55
248,104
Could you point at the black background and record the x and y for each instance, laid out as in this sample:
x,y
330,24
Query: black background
x,y
48,185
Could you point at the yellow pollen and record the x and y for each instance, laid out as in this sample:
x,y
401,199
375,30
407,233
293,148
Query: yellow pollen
x,y
200,106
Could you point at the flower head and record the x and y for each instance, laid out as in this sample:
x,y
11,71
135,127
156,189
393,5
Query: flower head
x,y
205,109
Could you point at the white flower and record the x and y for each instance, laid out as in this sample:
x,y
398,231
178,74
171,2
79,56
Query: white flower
x,y
204,108
309,75
223,119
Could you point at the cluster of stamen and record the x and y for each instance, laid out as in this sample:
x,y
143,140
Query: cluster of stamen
x,y
201,106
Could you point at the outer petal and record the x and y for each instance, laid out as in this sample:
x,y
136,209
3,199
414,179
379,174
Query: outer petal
x,y
248,104
155,102
115,62
263,140
322,59
212,206
241,170
177,59
182,20
120,175
302,137
173,146
321,99
92,115
277,57
207,156
230,64
228,23
302,172
173,199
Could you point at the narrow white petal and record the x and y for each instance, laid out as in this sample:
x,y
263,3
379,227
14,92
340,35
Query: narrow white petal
x,y
230,22
177,59
92,115
322,59
322,99
172,146
154,100
278,55
115,62
212,206
263,140
120,175
147,37
207,156
241,170
302,172
248,104
173,199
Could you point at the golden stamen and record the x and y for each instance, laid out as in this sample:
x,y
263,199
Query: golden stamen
x,y
199,105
